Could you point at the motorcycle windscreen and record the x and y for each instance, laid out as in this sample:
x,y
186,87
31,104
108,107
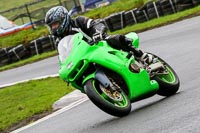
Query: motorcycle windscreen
x,y
65,47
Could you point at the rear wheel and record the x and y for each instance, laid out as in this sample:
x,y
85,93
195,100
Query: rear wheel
x,y
115,103
167,79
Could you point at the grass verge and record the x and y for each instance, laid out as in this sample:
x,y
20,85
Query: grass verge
x,y
23,37
28,100
118,6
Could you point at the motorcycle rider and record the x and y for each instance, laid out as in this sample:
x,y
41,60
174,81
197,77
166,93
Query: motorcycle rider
x,y
60,24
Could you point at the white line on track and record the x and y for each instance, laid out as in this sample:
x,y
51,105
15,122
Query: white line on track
x,y
70,106
42,77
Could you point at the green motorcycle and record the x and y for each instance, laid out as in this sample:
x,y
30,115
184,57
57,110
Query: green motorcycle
x,y
113,79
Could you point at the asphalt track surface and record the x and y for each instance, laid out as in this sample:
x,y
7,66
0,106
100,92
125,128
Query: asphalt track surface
x,y
31,71
179,45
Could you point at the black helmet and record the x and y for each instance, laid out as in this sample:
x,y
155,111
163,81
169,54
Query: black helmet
x,y
58,16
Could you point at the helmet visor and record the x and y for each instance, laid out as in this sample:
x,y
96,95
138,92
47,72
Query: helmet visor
x,y
54,26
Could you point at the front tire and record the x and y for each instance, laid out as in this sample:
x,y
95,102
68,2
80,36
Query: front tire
x,y
168,83
109,105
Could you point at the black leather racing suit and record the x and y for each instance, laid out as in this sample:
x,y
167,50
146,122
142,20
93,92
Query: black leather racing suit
x,y
88,27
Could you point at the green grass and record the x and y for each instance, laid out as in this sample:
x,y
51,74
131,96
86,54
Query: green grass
x,y
23,37
7,4
36,10
24,100
120,5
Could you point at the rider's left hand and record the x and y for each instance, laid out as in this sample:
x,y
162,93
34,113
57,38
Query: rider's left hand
x,y
97,37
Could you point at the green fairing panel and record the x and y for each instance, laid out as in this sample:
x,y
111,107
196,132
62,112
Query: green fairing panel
x,y
135,38
139,84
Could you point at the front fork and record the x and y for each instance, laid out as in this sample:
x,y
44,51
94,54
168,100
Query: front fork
x,y
104,80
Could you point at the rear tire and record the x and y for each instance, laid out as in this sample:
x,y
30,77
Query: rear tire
x,y
168,84
110,106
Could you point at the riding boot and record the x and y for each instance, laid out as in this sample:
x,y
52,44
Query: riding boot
x,y
148,58
138,53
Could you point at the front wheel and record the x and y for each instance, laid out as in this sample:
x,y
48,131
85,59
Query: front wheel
x,y
167,79
116,103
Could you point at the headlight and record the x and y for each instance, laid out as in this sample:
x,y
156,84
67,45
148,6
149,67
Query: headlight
x,y
69,65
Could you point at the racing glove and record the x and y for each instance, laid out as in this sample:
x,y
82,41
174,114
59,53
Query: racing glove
x,y
97,36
